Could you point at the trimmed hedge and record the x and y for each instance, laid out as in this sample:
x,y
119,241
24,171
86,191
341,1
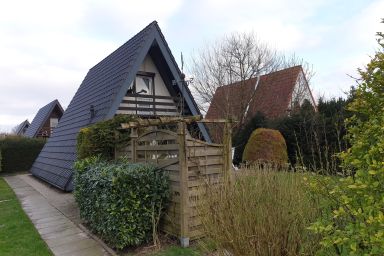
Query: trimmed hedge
x,y
18,153
102,138
266,145
119,200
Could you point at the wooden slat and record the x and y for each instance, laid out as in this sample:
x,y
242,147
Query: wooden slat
x,y
212,160
137,95
204,152
151,148
148,109
158,103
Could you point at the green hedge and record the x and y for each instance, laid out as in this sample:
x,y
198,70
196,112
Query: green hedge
x,y
102,138
18,153
119,199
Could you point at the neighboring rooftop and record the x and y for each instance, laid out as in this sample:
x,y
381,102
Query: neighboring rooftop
x,y
272,94
22,128
40,124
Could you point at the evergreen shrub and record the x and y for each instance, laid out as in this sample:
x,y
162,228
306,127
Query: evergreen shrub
x,y
18,153
120,201
266,145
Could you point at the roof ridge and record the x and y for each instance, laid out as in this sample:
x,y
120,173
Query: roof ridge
x,y
282,70
144,30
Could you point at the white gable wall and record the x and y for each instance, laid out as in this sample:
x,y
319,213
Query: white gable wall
x,y
160,90
301,92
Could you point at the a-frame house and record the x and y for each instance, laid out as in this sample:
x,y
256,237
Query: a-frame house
x,y
45,120
141,77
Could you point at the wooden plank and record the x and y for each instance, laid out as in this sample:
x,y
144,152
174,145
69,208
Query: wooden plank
x,y
156,103
137,95
160,121
158,147
212,160
191,142
204,152
149,109
183,163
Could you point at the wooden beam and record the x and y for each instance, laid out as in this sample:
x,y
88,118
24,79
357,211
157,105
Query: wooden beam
x,y
172,120
183,164
160,121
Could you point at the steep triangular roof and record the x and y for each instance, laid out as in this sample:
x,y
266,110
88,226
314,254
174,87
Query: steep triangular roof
x,y
104,87
269,94
41,117
271,97
20,128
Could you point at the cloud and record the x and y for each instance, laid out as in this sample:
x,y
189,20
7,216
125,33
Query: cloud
x,y
47,47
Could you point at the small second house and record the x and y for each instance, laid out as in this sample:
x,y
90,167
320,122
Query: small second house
x,y
45,121
275,95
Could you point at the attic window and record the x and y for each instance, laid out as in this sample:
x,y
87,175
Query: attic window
x,y
143,84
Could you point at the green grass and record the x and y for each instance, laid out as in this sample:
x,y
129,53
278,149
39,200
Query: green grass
x,y
178,251
18,236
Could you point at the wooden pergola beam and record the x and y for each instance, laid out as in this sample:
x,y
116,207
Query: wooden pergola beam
x,y
170,120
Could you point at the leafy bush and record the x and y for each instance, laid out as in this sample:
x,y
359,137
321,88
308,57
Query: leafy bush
x,y
120,200
102,138
241,136
264,213
18,153
355,227
266,145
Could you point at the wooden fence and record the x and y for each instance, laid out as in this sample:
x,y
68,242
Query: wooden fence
x,y
190,163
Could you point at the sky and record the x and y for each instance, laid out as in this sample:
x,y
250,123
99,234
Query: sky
x,y
48,46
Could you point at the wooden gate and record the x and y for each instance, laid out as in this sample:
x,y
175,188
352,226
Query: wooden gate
x,y
189,162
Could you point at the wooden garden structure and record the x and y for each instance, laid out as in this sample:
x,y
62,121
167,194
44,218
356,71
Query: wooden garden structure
x,y
189,162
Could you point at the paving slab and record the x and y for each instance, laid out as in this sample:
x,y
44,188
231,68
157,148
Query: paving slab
x,y
56,217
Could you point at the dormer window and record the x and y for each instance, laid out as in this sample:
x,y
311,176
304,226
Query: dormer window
x,y
143,84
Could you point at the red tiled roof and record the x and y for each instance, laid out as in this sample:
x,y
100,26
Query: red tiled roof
x,y
272,96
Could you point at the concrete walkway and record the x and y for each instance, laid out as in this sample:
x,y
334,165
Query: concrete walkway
x,y
55,216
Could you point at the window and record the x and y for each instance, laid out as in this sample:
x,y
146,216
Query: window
x,y
143,84
53,122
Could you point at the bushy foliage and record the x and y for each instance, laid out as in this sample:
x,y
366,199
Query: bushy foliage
x,y
355,227
102,138
264,213
18,153
241,136
120,200
314,138
266,145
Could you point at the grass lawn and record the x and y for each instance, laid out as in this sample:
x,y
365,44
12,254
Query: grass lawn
x,y
178,251
18,236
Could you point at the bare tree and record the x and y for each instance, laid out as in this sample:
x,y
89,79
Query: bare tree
x,y
235,58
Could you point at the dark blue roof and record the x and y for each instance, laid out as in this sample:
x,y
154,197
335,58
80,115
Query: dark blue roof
x,y
41,117
104,87
19,130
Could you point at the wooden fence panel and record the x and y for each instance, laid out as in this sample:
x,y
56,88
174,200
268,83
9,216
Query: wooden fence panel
x,y
190,163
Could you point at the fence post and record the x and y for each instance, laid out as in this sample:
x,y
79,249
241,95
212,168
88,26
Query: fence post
x,y
184,205
227,152
133,136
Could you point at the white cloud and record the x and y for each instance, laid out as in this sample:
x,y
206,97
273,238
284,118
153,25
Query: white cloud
x,y
47,47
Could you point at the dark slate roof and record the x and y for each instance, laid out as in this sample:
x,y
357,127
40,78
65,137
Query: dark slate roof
x,y
41,117
19,129
104,87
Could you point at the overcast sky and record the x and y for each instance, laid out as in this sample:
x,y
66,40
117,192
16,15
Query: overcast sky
x,y
47,47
